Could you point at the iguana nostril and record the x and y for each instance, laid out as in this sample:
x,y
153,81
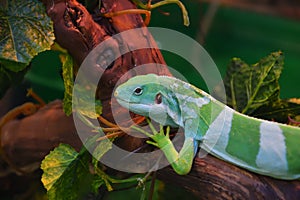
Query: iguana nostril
x,y
116,94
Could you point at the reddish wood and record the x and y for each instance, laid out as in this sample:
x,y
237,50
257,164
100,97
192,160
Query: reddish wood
x,y
212,178
81,37
26,142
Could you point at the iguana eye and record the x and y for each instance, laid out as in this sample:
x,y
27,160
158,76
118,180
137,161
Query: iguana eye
x,y
158,99
138,91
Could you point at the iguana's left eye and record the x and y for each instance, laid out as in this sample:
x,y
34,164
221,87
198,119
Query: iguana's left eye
x,y
158,99
138,91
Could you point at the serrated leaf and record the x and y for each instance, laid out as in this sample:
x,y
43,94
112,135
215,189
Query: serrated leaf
x,y
67,73
250,87
66,173
25,31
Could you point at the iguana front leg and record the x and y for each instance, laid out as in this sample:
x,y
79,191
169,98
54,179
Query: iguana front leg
x,y
182,161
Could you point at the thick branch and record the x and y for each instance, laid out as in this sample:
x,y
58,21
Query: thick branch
x,y
212,178
76,30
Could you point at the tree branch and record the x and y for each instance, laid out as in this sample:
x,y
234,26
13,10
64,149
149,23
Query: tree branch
x,y
212,178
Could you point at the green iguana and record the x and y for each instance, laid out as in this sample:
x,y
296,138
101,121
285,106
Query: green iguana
x,y
261,146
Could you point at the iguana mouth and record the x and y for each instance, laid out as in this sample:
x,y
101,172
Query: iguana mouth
x,y
125,103
122,101
141,109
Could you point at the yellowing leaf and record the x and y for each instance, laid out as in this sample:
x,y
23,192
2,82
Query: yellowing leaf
x,y
66,173
25,31
84,100
67,73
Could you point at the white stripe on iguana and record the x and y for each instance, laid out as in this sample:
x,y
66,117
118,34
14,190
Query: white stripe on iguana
x,y
187,101
199,101
272,152
220,130
217,136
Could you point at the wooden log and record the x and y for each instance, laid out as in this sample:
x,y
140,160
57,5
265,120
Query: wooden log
x,y
212,178
27,141
79,33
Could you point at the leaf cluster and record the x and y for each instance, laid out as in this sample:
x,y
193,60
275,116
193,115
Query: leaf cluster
x,y
68,174
254,89
25,31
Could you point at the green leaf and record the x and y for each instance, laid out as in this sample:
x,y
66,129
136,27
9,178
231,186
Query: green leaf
x,y
101,148
66,173
83,101
96,184
104,146
278,111
250,87
254,90
67,73
25,31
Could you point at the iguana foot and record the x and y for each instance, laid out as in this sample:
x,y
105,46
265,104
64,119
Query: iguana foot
x,y
160,138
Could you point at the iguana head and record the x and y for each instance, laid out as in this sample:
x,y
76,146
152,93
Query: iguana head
x,y
146,95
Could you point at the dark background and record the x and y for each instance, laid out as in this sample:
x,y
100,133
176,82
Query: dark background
x,y
245,29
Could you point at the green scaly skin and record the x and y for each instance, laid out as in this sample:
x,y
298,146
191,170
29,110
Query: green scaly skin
x,y
264,147
181,162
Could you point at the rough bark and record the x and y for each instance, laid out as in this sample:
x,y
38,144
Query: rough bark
x,y
26,141
32,138
79,33
211,178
